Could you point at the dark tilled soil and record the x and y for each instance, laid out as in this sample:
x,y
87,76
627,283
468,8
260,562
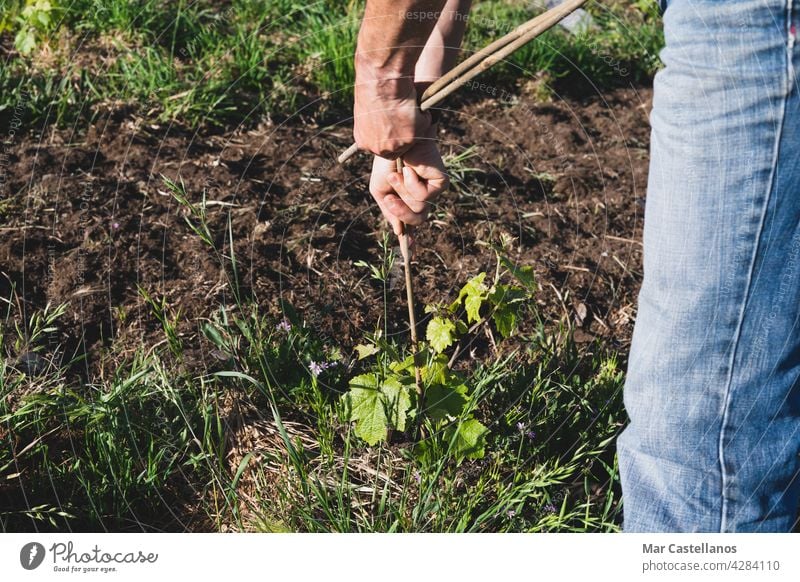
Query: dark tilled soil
x,y
86,218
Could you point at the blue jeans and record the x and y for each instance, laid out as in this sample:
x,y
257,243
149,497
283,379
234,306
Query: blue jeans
x,y
712,390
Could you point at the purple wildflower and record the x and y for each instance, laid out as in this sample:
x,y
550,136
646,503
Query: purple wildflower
x,y
115,225
318,367
550,508
521,426
511,513
531,434
284,325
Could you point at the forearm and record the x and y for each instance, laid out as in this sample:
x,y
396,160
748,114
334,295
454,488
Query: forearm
x,y
392,36
441,50
387,120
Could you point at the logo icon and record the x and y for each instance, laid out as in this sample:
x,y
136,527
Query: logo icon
x,y
31,555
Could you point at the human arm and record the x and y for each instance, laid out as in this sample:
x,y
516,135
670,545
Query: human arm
x,y
386,116
409,199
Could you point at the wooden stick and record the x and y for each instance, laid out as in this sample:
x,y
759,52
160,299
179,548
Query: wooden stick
x,y
565,8
487,57
549,20
412,316
348,153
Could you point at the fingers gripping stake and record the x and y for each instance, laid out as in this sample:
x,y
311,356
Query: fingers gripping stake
x,y
412,317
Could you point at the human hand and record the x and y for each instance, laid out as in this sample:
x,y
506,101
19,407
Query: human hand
x,y
387,119
409,197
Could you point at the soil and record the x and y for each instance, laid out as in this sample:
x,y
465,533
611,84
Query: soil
x,y
86,219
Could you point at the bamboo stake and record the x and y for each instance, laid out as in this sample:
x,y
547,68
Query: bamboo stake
x,y
558,13
553,17
488,57
412,316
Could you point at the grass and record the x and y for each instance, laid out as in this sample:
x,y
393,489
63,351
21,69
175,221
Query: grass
x,y
198,63
261,440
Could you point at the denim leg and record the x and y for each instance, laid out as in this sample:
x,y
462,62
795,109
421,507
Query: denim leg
x,y
713,385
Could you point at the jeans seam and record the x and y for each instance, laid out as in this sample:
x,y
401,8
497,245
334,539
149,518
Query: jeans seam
x,y
789,76
790,35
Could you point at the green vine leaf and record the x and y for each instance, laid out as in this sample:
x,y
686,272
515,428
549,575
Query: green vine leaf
x,y
436,372
466,440
376,407
505,318
470,439
443,401
25,41
522,274
406,365
365,351
440,333
397,401
473,294
506,300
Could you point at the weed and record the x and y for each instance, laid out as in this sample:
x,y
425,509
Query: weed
x,y
458,168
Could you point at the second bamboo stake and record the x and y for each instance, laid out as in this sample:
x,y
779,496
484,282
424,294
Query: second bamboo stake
x,y
412,316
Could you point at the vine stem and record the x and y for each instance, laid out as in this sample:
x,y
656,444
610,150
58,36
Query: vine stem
x,y
412,316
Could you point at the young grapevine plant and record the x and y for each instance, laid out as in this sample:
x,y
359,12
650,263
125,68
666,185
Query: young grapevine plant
x,y
385,399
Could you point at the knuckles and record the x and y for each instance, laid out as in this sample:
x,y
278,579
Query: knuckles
x,y
388,148
394,147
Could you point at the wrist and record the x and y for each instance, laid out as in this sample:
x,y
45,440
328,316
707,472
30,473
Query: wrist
x,y
385,84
